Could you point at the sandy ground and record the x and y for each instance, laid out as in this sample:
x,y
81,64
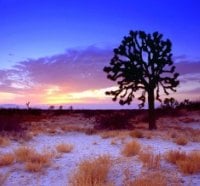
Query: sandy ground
x,y
90,146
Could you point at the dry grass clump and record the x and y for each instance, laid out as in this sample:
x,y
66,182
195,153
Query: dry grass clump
x,y
109,134
64,148
7,159
113,142
151,179
174,156
132,148
92,172
149,159
191,164
136,134
187,163
37,161
181,140
4,141
24,153
71,128
33,160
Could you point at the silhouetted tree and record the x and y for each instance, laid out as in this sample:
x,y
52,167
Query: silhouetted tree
x,y
140,63
170,103
28,105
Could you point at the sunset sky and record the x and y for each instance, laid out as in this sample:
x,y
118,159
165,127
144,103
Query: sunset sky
x,y
52,52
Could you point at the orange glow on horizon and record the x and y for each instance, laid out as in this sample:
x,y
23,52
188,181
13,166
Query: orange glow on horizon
x,y
54,95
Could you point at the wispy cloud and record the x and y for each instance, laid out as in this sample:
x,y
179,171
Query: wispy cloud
x,y
75,77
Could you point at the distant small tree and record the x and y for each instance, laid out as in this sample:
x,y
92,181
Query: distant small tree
x,y
170,103
71,108
60,107
142,62
28,105
51,107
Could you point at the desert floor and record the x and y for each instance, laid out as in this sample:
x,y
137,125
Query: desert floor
x,y
52,150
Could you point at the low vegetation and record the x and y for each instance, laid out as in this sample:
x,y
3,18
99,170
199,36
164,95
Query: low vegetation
x,y
187,163
64,148
7,159
33,160
117,120
24,153
92,172
131,149
4,141
149,159
136,134
181,140
149,179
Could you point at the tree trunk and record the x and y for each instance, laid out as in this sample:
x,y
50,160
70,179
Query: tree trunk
x,y
152,119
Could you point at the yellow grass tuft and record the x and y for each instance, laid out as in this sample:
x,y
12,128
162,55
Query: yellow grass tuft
x,y
24,153
181,140
132,148
174,155
187,163
92,172
109,134
33,160
191,164
151,179
7,159
64,148
37,161
150,160
136,134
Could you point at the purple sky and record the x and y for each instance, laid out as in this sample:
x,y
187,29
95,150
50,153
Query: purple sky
x,y
53,52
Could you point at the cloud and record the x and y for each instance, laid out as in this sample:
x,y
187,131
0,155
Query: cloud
x,y
76,70
77,76
187,67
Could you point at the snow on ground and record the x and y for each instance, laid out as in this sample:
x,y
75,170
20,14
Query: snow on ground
x,y
86,147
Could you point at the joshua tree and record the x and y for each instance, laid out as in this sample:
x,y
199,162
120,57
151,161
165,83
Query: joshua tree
x,y
28,105
143,62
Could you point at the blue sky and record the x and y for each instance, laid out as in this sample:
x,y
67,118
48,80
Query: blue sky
x,y
32,29
36,29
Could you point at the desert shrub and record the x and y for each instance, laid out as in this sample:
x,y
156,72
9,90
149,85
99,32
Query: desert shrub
x,y
113,121
33,160
149,179
190,105
136,134
191,164
109,134
6,159
181,140
90,131
132,148
174,155
37,161
10,123
92,172
64,148
24,153
4,141
187,163
149,159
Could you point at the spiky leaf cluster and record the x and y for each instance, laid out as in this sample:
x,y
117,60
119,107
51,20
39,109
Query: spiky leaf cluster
x,y
142,62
